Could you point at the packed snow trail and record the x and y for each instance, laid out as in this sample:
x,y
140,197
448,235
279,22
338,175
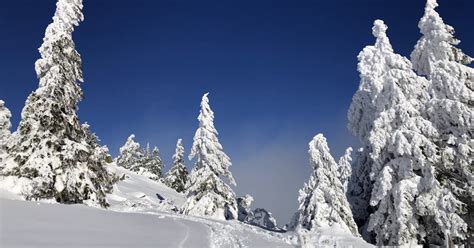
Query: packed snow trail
x,y
186,235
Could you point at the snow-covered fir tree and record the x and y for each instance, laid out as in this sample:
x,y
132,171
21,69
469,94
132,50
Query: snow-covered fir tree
x,y
145,158
451,108
5,133
322,201
177,175
131,155
54,154
345,168
207,193
406,196
438,43
362,113
150,164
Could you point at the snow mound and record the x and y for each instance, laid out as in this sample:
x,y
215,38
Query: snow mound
x,y
138,193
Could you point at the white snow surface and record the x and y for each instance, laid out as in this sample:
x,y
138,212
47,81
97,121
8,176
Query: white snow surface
x,y
138,218
329,236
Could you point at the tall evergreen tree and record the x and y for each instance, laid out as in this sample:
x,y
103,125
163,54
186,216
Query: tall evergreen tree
x,y
362,113
344,168
177,176
406,196
5,134
322,200
59,157
451,108
207,193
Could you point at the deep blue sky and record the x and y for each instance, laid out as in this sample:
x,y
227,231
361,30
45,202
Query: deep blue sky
x,y
278,72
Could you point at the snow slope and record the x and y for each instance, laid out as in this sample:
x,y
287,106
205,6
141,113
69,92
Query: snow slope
x,y
137,218
34,224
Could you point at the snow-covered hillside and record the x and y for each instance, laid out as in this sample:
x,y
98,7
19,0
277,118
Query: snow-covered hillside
x,y
137,217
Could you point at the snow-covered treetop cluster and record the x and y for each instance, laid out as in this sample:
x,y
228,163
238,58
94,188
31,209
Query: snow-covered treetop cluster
x,y
141,160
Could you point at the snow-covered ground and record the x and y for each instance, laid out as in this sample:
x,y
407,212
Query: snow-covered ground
x,y
138,218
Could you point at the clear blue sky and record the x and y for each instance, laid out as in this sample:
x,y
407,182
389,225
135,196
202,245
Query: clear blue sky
x,y
278,72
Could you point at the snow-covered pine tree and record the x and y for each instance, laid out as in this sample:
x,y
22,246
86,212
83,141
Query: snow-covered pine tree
x,y
177,176
5,133
157,164
345,168
451,108
150,164
131,155
207,193
53,153
437,43
406,196
145,158
322,201
361,116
